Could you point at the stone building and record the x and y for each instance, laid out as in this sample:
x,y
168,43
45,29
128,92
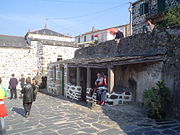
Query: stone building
x,y
149,9
135,64
29,55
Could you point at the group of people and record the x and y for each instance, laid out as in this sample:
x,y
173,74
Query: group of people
x,y
101,85
28,92
148,27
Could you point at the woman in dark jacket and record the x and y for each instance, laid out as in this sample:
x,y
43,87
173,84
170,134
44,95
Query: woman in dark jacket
x,y
28,96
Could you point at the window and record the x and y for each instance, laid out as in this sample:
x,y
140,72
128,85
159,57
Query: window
x,y
79,40
59,58
161,5
144,8
84,38
92,37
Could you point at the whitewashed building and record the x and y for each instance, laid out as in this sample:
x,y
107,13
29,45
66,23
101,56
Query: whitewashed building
x,y
98,36
29,55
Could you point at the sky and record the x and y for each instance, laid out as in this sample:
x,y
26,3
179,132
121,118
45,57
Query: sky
x,y
70,17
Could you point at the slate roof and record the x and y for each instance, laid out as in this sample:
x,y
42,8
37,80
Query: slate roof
x,y
46,31
105,62
13,41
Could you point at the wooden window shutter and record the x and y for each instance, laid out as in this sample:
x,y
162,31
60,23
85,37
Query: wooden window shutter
x,y
146,7
141,9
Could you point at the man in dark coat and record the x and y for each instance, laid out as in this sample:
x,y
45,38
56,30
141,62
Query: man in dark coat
x,y
28,96
119,36
13,82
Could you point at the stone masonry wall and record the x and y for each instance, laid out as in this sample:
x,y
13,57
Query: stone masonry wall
x,y
51,53
144,75
17,61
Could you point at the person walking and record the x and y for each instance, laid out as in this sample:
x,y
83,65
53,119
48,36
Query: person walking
x,y
22,83
28,96
13,82
35,87
3,111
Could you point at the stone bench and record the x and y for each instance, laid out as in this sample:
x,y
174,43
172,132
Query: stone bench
x,y
122,98
90,98
73,92
112,98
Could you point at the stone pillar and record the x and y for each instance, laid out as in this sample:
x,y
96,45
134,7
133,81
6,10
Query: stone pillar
x,y
88,77
110,79
58,80
67,74
78,76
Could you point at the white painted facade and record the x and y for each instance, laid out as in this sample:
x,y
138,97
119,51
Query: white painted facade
x,y
104,35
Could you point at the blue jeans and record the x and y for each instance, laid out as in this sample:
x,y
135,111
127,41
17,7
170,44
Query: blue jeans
x,y
13,93
101,95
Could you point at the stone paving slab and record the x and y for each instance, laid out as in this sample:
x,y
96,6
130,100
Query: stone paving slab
x,y
56,116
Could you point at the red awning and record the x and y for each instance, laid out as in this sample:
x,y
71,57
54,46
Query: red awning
x,y
112,31
96,35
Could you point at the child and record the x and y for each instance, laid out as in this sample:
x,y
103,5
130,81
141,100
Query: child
x,y
3,111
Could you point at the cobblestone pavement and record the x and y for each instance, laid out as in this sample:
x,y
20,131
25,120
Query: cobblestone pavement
x,y
55,116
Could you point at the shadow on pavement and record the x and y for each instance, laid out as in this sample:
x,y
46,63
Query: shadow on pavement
x,y
131,118
18,110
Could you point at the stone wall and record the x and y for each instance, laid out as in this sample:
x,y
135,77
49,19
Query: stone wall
x,y
18,61
137,77
51,53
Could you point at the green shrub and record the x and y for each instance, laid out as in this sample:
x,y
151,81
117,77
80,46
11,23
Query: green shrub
x,y
171,18
157,99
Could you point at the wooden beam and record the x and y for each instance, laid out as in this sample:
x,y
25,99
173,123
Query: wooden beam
x,y
78,76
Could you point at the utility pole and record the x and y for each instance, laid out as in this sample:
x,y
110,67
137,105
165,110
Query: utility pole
x,y
130,11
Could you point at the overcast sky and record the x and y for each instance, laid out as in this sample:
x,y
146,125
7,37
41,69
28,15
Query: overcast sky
x,y
65,16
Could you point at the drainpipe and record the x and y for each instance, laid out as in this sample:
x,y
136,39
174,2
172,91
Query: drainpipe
x,y
130,11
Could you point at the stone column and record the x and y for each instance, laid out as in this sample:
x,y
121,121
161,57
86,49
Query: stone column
x,y
88,77
110,79
66,78
58,80
78,76
67,74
